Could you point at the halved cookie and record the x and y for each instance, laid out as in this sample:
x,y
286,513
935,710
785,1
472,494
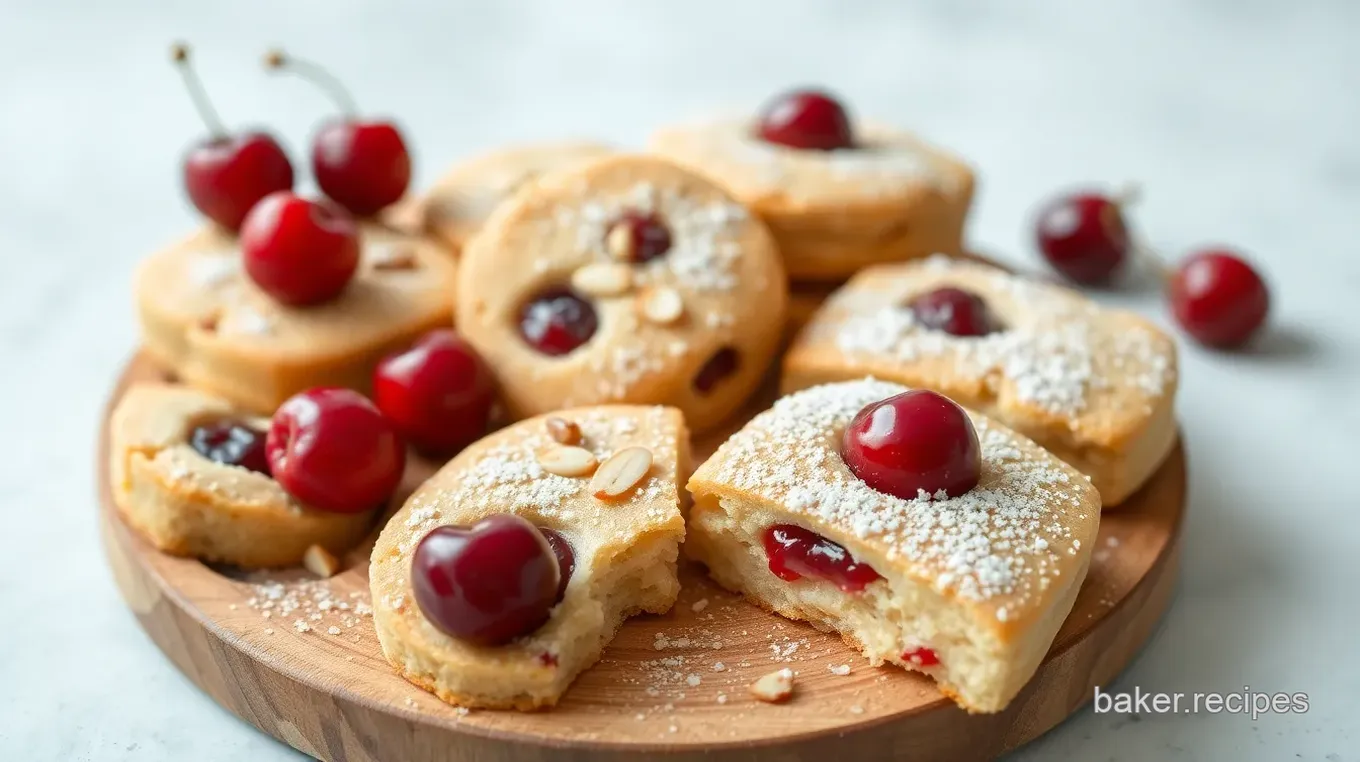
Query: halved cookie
x,y
1094,386
969,589
228,510
602,482
206,321
624,280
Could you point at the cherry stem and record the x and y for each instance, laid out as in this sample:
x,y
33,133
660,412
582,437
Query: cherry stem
x,y
179,53
275,60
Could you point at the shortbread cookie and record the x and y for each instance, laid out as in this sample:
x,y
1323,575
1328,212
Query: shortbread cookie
x,y
889,197
602,483
625,280
1094,386
462,200
970,590
228,510
207,322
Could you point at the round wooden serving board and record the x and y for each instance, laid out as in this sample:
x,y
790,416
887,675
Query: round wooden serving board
x,y
670,687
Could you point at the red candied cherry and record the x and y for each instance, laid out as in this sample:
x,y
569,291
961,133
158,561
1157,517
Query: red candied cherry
x,y
638,237
921,657
795,552
487,584
1218,298
438,393
225,175
363,166
566,559
333,450
954,311
722,364
1083,236
809,119
917,441
232,443
298,251
557,321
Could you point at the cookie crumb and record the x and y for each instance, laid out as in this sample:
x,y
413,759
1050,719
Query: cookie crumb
x,y
699,605
775,687
839,669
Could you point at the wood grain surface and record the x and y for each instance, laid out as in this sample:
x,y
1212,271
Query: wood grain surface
x,y
299,659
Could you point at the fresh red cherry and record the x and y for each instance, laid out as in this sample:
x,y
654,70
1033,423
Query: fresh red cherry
x,y
566,559
487,584
438,393
362,165
921,657
1218,298
809,119
333,450
557,321
232,443
917,441
225,175
298,251
954,311
795,552
1083,236
647,236
722,364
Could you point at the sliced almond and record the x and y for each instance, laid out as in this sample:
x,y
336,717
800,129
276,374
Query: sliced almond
x,y
320,562
563,431
396,258
603,279
661,305
567,461
621,472
620,243
775,687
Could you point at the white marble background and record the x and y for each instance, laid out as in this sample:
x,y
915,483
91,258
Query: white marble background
x,y
1240,118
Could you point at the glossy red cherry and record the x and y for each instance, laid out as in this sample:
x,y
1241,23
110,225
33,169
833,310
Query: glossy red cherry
x,y
438,393
722,364
795,552
487,584
1084,237
914,442
809,119
333,450
232,443
566,559
954,311
298,251
557,321
362,165
1218,298
921,657
225,175
648,237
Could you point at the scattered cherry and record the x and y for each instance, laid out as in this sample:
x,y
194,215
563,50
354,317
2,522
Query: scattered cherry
x,y
954,311
1083,236
487,584
333,450
917,441
362,165
1218,298
809,119
557,321
231,443
566,559
298,251
225,175
438,393
722,364
795,552
648,235
921,657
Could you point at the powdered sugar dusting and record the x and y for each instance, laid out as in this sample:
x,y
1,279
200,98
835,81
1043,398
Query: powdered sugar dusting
x,y
999,539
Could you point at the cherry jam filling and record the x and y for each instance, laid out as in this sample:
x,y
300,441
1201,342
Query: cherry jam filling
x,y
231,443
557,321
647,237
921,657
566,560
721,365
954,311
795,552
